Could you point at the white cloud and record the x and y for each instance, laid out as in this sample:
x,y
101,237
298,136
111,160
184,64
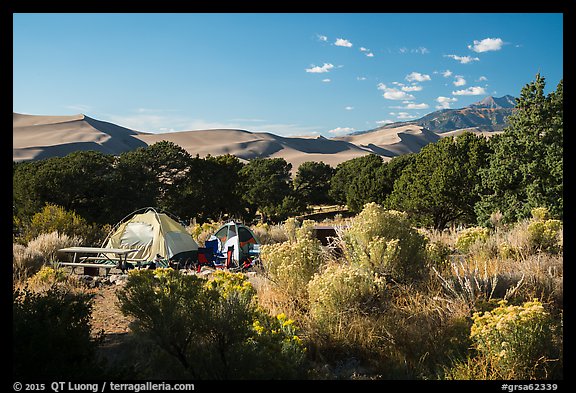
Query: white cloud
x,y
411,105
412,88
460,81
362,49
463,59
444,102
482,78
387,121
391,93
341,130
349,108
322,38
418,77
343,42
447,73
471,91
369,54
327,80
416,106
422,50
403,115
318,70
360,78
487,44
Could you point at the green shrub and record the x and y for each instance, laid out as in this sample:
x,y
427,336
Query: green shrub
x,y
212,329
292,264
544,235
51,335
40,251
517,342
385,242
54,218
469,236
340,291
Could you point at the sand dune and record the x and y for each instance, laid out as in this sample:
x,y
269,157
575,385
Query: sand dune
x,y
37,137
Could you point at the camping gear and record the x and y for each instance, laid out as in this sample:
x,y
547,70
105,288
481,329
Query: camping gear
x,y
234,245
159,239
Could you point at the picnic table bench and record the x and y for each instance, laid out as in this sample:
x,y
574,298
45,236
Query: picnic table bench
x,y
102,258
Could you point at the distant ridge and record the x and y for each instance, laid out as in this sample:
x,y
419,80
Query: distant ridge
x,y
488,115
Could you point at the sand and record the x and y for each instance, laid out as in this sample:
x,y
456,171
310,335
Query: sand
x,y
37,137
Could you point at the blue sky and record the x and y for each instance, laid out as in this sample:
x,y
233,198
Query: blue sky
x,y
289,74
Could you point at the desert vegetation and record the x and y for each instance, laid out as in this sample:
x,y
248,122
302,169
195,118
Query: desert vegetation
x,y
450,265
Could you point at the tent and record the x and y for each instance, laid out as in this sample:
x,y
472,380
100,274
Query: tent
x,y
239,239
153,233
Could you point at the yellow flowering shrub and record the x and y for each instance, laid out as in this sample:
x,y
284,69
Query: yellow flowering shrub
x,y
341,290
384,241
291,265
545,235
469,236
517,341
210,328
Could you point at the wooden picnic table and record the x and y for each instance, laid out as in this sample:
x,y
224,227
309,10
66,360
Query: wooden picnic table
x,y
101,258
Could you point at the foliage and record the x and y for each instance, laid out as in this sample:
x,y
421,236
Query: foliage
x,y
312,182
212,328
440,186
358,181
469,236
516,341
51,335
268,187
341,291
40,251
385,242
544,235
292,264
525,169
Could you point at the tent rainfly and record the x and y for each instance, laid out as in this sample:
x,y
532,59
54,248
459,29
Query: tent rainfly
x,y
239,238
153,233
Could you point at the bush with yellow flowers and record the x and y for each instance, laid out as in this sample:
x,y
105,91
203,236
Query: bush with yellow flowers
x,y
517,342
209,328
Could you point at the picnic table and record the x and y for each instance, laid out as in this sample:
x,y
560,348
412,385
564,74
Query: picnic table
x,y
99,257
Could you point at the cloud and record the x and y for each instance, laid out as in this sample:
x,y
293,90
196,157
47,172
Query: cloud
x,y
471,91
349,108
422,50
444,102
418,77
486,45
369,54
411,105
460,81
327,80
463,59
360,78
343,42
391,93
412,88
362,49
447,73
318,70
482,78
387,121
341,130
322,37
403,115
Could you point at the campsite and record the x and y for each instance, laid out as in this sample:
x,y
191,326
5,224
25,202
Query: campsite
x,y
206,200
397,279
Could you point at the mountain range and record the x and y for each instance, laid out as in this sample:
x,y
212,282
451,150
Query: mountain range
x,y
36,137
